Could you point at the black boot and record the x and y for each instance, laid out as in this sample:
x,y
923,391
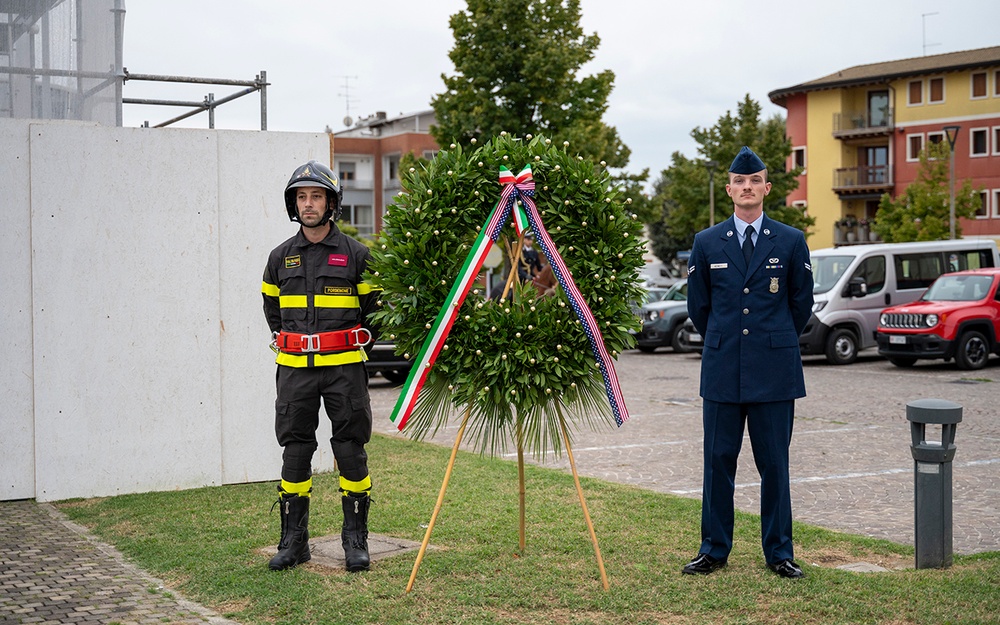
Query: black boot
x,y
355,532
294,546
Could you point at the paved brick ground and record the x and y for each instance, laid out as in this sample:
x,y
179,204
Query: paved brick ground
x,y
851,471
851,465
51,571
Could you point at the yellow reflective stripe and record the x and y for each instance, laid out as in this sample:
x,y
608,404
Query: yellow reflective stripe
x,y
348,486
297,488
321,360
365,288
293,301
270,289
340,358
336,301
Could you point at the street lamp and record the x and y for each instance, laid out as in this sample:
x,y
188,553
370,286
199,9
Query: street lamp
x,y
710,166
952,133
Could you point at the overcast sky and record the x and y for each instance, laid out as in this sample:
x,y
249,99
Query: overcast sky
x,y
678,65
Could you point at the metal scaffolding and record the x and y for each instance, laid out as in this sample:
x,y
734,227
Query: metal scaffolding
x,y
62,59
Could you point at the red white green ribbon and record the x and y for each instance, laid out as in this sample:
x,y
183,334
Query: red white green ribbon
x,y
521,187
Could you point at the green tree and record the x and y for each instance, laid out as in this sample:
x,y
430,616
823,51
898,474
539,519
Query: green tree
x,y
682,191
516,65
922,211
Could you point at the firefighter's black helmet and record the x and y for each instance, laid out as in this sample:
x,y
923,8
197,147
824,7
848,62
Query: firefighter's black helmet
x,y
314,174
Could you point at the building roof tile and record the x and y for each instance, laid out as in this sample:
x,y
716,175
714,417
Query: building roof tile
x,y
891,70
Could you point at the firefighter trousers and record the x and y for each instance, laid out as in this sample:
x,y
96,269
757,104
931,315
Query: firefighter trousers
x,y
344,393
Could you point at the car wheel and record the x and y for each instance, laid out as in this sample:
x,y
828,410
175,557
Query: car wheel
x,y
841,347
973,351
647,349
903,361
396,376
675,339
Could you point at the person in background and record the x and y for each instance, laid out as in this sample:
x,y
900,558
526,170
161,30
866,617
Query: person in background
x,y
750,294
316,304
530,264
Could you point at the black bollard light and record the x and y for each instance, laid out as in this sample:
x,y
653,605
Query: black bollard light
x,y
932,479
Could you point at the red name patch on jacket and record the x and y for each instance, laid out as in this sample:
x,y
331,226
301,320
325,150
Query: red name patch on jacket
x,y
338,260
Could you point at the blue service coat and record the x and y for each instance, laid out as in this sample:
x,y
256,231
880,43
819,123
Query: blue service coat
x,y
750,317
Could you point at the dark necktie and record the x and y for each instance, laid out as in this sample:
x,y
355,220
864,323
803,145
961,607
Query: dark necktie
x,y
748,244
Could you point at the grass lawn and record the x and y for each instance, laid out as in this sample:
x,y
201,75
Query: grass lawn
x,y
205,543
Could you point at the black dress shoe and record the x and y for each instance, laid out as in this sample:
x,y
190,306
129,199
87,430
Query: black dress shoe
x,y
787,569
703,564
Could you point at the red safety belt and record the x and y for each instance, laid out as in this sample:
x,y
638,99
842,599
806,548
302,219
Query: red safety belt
x,y
338,341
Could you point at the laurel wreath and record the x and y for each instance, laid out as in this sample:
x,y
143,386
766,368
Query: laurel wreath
x,y
522,365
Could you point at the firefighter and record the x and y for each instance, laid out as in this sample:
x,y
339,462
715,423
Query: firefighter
x,y
316,304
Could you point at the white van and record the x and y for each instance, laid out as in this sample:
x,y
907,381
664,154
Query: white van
x,y
853,284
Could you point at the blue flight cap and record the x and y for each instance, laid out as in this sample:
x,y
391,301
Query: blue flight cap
x,y
746,162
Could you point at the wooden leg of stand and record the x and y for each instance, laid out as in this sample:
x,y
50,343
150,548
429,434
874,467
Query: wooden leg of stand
x,y
520,491
440,499
583,503
515,260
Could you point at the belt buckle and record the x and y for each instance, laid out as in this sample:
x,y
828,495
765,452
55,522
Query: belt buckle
x,y
356,335
310,343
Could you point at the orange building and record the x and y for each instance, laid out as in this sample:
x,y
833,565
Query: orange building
x,y
366,157
858,134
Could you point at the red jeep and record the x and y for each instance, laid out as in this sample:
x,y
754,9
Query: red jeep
x,y
958,317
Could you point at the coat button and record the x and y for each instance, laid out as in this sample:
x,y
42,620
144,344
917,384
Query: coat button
x,y
745,332
746,290
746,311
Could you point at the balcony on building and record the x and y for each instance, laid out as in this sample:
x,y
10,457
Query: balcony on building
x,y
363,184
863,123
872,180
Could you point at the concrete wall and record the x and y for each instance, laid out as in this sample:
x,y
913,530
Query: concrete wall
x,y
137,353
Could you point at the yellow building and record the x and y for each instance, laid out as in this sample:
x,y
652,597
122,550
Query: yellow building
x,y
858,134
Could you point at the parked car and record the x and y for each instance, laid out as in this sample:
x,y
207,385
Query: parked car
x,y
382,359
689,338
958,317
662,320
854,284
652,294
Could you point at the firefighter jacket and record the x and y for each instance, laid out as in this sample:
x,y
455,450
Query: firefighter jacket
x,y
318,287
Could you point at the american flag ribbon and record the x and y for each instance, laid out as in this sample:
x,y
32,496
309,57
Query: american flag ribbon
x,y
523,189
520,187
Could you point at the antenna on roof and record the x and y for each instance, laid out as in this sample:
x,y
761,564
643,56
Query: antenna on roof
x,y
348,120
923,18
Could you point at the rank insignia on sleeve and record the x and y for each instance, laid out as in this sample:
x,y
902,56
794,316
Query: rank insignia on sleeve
x,y
293,261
